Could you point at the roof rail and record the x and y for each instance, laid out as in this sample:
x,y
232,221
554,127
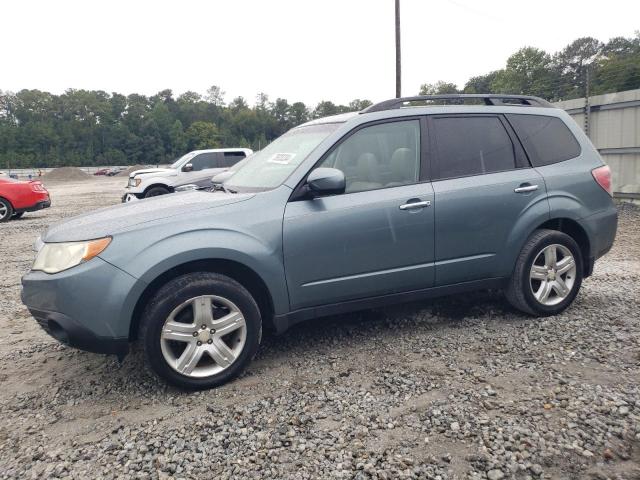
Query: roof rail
x,y
493,99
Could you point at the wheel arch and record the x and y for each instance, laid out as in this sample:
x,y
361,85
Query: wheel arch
x,y
7,200
12,208
158,184
238,271
572,228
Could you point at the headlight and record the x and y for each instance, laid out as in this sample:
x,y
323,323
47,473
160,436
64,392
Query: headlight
x,y
56,257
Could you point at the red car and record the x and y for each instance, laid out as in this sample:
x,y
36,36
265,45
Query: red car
x,y
17,197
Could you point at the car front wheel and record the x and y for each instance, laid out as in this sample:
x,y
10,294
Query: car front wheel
x,y
200,330
548,274
155,191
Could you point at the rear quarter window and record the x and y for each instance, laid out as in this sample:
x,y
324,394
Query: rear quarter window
x,y
547,140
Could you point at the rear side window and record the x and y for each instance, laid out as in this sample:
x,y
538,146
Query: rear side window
x,y
547,140
231,158
471,146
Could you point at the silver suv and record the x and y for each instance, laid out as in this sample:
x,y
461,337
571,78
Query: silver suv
x,y
404,201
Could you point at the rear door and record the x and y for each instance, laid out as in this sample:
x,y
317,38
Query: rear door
x,y
375,238
484,186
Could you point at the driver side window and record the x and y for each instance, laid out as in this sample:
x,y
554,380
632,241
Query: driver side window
x,y
379,156
204,160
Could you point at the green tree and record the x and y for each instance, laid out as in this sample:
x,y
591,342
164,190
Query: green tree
x,y
571,65
202,135
528,71
178,139
481,83
438,88
358,105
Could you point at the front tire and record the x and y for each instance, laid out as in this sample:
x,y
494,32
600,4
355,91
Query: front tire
x,y
156,191
548,274
200,330
6,210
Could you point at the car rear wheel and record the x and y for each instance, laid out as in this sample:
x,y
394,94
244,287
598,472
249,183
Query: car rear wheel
x,y
17,215
548,274
155,191
200,330
6,210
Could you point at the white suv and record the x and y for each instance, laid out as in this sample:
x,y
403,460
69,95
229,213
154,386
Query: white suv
x,y
197,167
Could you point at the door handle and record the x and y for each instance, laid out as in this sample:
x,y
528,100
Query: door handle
x,y
413,205
525,189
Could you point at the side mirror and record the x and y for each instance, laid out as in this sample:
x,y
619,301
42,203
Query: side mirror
x,y
187,168
326,181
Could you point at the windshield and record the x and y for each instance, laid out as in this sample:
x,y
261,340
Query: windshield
x,y
271,166
182,160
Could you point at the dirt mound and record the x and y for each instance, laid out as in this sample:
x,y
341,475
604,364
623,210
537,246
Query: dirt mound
x,y
125,173
66,173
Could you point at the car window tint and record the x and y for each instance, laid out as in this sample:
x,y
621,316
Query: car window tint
x,y
231,158
547,140
204,160
380,156
472,146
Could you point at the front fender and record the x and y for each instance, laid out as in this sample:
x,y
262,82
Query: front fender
x,y
169,252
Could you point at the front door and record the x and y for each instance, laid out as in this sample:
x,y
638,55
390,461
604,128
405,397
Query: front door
x,y
205,165
374,239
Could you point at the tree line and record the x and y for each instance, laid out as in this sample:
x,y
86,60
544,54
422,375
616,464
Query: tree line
x,y
81,127
586,65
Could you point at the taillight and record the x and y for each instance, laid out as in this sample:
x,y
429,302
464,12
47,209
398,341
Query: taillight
x,y
37,187
602,175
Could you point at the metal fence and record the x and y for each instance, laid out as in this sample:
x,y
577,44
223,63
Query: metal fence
x,y
612,122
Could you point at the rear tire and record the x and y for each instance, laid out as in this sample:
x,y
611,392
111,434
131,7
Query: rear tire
x,y
548,274
200,330
156,191
6,210
17,215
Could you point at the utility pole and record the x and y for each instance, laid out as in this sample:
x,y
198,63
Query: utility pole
x,y
398,62
587,105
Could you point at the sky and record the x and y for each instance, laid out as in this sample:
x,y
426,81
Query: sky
x,y
301,50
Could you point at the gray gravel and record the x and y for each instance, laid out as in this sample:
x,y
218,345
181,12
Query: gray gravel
x,y
459,388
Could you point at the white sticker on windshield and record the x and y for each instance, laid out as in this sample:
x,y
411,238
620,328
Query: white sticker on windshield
x,y
281,158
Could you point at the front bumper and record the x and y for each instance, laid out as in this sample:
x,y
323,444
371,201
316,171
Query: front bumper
x,y
69,332
87,306
129,197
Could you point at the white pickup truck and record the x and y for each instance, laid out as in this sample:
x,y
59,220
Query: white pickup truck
x,y
197,168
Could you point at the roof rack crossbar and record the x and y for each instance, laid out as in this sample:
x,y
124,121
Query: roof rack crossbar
x,y
492,99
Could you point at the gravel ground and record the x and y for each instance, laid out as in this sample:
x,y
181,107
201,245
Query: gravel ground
x,y
459,388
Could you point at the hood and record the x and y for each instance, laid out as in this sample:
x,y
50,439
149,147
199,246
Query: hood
x,y
112,220
155,171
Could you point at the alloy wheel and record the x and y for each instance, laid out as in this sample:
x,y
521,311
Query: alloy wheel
x,y
553,274
203,336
